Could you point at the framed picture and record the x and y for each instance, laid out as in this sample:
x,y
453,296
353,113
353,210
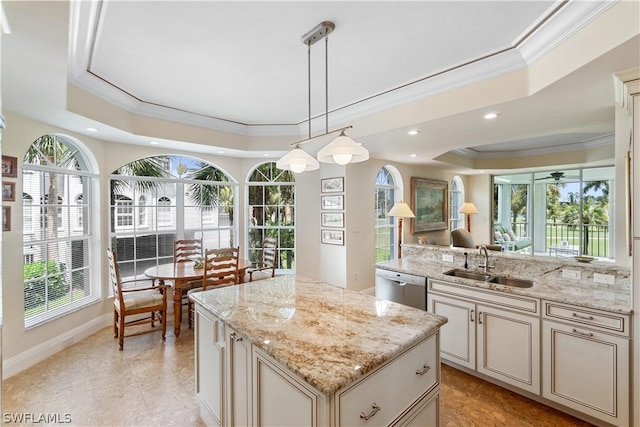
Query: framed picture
x,y
332,237
9,191
332,185
332,219
9,166
429,204
6,218
332,203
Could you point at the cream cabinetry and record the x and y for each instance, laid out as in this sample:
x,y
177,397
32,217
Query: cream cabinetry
x,y
586,361
495,342
209,357
238,383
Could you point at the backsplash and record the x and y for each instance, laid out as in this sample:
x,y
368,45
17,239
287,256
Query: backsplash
x,y
517,265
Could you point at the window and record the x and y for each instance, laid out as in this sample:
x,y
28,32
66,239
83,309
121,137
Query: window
x,y
271,213
385,197
560,213
142,211
58,248
177,198
124,211
456,195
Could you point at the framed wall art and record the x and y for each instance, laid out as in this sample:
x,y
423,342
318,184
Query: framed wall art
x,y
429,204
6,218
9,191
9,166
332,237
332,185
332,219
335,202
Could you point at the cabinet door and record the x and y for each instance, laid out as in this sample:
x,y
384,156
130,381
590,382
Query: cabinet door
x,y
423,415
509,347
458,335
209,341
281,400
239,378
587,371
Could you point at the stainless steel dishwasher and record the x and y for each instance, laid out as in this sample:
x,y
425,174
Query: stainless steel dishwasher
x,y
404,288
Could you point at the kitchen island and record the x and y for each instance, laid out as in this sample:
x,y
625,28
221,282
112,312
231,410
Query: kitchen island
x,y
293,351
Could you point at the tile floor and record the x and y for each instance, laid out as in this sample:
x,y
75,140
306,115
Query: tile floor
x,y
152,384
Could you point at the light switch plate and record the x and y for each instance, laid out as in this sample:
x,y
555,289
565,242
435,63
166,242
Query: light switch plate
x,y
447,257
570,274
607,279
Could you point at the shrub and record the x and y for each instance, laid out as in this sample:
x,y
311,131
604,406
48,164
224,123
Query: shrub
x,y
35,280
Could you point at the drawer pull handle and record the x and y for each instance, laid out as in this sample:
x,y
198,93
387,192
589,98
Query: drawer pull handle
x,y
235,337
582,317
584,334
425,368
374,410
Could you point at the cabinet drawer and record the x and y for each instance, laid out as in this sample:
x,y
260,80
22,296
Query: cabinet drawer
x,y
608,322
499,299
392,389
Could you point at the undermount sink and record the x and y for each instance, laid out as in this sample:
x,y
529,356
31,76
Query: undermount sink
x,y
517,283
485,277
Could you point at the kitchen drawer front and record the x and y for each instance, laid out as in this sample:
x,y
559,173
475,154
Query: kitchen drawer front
x,y
393,389
600,320
499,299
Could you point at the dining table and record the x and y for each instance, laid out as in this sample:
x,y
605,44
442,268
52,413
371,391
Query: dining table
x,y
180,274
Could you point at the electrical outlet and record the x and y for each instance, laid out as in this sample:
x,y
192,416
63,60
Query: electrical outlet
x,y
570,274
447,257
607,279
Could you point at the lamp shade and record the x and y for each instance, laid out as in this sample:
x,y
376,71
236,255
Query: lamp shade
x,y
297,160
468,208
402,210
343,150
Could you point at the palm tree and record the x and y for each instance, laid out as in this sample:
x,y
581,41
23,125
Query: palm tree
x,y
49,150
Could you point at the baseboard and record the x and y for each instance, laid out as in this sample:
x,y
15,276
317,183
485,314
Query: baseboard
x,y
26,359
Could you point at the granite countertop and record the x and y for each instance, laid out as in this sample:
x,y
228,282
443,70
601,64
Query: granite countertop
x,y
546,285
326,335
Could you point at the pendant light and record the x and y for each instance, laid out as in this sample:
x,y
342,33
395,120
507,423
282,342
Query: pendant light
x,y
342,150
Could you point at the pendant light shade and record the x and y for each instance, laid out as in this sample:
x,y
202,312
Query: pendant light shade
x,y
297,161
343,150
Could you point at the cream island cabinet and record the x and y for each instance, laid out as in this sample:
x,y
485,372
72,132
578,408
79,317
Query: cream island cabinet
x,y
290,351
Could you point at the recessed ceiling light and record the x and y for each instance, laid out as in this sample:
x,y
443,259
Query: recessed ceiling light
x,y
413,155
413,132
154,143
92,129
267,155
220,151
490,116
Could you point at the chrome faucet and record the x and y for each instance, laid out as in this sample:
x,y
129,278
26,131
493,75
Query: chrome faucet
x,y
486,265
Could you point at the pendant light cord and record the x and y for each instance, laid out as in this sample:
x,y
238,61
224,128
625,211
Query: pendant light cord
x,y
326,83
309,82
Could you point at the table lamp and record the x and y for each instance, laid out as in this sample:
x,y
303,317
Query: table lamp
x,y
401,210
468,209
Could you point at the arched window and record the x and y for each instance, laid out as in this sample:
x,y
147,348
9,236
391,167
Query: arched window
x,y
385,196
142,211
456,196
271,213
59,260
176,197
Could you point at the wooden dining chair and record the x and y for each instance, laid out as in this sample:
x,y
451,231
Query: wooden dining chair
x,y
267,266
132,300
220,269
187,250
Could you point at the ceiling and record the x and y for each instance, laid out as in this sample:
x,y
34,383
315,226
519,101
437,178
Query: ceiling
x,y
231,78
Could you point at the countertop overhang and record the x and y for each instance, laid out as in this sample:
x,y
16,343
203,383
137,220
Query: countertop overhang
x,y
326,335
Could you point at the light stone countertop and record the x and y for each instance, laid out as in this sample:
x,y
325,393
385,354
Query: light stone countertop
x,y
326,335
547,283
